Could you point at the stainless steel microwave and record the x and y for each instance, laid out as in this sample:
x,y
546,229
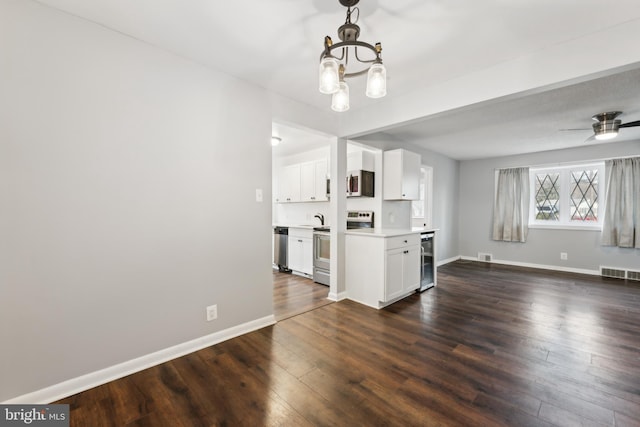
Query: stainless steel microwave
x,y
360,183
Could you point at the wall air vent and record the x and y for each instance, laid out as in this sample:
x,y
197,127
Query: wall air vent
x,y
484,257
633,275
616,273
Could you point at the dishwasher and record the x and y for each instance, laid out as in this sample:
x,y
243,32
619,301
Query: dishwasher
x,y
280,248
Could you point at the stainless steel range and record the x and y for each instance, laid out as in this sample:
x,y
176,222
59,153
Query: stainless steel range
x,y
359,219
322,244
321,255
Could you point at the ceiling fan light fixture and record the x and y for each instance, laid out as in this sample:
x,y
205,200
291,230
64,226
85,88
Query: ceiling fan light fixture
x,y
606,135
606,126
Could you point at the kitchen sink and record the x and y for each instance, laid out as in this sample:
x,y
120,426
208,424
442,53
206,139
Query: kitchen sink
x,y
327,229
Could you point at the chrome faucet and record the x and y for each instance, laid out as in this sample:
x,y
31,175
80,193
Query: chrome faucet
x,y
320,217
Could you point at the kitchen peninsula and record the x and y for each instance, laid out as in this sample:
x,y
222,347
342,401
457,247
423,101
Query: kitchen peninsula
x,y
384,265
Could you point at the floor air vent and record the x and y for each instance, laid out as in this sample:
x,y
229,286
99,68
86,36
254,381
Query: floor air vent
x,y
616,273
633,275
484,257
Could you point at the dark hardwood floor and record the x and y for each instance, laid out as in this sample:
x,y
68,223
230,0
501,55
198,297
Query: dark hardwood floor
x,y
490,346
293,295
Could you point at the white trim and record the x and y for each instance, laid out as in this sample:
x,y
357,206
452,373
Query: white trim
x,y
566,227
538,266
337,297
94,379
564,221
426,175
448,260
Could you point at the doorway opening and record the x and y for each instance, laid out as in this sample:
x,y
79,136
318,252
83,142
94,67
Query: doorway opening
x,y
300,168
422,210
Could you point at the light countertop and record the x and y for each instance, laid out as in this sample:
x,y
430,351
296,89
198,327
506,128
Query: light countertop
x,y
374,232
387,232
303,226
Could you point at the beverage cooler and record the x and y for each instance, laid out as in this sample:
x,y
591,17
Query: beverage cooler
x,y
427,261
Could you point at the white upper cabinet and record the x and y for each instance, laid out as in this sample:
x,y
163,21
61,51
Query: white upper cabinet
x,y
289,184
313,181
303,182
361,160
401,176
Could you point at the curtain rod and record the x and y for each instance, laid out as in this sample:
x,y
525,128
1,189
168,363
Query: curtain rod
x,y
569,163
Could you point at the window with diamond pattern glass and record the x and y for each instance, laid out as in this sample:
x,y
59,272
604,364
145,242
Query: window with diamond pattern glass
x,y
547,196
566,196
584,195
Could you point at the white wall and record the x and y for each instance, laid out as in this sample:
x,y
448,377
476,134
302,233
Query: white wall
x,y
543,246
445,202
445,197
127,199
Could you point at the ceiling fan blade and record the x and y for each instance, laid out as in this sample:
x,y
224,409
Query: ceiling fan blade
x,y
630,124
564,130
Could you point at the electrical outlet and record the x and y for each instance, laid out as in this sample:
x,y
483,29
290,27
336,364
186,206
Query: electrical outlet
x,y
563,256
212,312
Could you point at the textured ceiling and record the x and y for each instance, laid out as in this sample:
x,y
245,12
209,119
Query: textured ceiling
x,y
526,124
276,44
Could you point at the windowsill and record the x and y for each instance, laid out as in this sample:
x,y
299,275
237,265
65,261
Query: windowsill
x,y
567,227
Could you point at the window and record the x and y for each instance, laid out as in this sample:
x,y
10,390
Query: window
x,y
421,210
567,196
417,206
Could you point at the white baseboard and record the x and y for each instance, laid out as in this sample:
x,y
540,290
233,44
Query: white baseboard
x,y
539,266
448,260
337,297
94,379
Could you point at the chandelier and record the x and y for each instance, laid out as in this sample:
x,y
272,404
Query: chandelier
x,y
335,69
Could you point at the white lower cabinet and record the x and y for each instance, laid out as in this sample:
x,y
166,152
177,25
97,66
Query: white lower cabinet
x,y
402,271
300,250
381,270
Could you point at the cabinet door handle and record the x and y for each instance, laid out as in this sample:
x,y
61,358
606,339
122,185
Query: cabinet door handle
x,y
406,241
299,240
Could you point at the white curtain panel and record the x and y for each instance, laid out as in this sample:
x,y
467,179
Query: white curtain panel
x,y
621,226
511,208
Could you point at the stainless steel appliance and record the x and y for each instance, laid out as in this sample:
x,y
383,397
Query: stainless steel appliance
x,y
359,219
321,255
322,244
280,248
360,183
427,266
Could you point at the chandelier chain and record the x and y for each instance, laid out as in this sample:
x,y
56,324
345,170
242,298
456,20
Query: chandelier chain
x,y
349,12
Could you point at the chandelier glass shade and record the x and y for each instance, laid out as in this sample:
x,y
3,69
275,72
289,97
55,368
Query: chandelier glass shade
x,y
329,76
338,60
377,81
340,99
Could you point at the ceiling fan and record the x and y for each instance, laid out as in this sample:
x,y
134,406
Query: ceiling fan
x,y
606,126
